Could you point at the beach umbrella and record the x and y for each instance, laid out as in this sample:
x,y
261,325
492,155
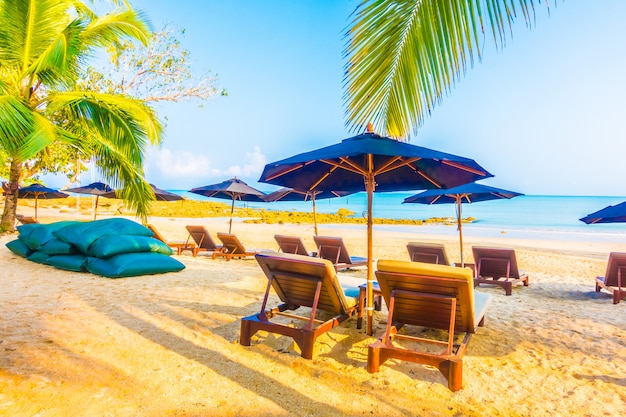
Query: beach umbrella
x,y
609,214
38,191
95,188
289,194
467,193
232,189
159,194
370,162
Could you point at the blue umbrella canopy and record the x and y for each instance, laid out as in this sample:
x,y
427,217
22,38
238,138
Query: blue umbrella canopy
x,y
466,193
370,162
610,214
38,191
232,189
289,194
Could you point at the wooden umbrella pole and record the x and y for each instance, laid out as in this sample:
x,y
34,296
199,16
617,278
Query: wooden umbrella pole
x,y
95,209
35,205
458,217
314,214
369,185
232,210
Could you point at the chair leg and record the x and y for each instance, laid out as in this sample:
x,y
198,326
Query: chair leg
x,y
373,358
245,333
452,370
616,296
508,287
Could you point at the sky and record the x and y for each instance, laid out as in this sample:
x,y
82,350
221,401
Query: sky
x,y
545,114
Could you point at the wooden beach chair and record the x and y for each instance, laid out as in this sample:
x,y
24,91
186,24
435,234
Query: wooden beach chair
x,y
433,253
497,266
614,280
291,244
178,245
432,296
203,239
26,219
333,249
300,281
233,248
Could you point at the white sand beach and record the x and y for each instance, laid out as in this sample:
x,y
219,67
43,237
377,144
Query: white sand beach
x,y
76,344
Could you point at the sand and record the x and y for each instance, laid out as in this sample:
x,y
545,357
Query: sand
x,y
76,344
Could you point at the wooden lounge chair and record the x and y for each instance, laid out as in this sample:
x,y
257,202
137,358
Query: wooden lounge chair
x,y
497,266
178,245
333,249
300,281
26,219
291,244
615,278
202,238
432,296
233,248
433,253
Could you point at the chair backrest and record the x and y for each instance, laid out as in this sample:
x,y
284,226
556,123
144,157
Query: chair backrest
x,y
231,243
157,235
432,253
26,219
295,279
202,237
495,262
291,244
615,266
333,249
435,280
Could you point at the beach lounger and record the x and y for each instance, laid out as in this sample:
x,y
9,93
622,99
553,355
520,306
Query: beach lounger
x,y
203,239
497,266
614,279
300,281
333,249
178,245
292,244
431,296
233,248
26,219
432,253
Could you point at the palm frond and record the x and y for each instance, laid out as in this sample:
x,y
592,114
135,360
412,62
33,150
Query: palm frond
x,y
404,55
16,123
112,27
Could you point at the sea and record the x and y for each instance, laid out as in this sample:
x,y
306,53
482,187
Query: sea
x,y
528,217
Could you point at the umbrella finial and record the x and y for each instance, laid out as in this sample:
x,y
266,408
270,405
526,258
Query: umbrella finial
x,y
370,128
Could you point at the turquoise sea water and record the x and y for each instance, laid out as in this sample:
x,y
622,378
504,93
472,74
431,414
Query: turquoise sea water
x,y
529,216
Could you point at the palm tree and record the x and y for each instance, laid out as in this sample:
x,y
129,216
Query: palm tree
x,y
44,44
402,55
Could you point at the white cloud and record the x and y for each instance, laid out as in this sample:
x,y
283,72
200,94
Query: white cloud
x,y
175,164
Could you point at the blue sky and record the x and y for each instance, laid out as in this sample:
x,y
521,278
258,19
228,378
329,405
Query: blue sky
x,y
545,115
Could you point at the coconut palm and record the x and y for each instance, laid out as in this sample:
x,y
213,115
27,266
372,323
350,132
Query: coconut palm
x,y
402,55
44,44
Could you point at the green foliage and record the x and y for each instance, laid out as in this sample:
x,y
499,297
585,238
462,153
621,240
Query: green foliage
x,y
403,55
44,45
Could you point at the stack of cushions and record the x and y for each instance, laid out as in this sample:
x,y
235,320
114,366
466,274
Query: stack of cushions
x,y
113,248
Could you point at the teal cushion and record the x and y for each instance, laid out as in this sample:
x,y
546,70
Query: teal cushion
x,y
19,248
38,257
84,234
133,264
58,247
36,235
68,262
110,245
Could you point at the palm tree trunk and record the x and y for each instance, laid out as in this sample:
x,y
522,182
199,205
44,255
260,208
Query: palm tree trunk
x,y
10,191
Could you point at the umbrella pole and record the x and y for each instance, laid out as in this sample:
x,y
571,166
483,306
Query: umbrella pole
x,y
35,205
369,185
460,226
232,209
314,214
95,209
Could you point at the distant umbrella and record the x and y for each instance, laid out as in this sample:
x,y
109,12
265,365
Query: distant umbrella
x,y
95,188
159,194
468,193
610,214
232,189
289,194
38,191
